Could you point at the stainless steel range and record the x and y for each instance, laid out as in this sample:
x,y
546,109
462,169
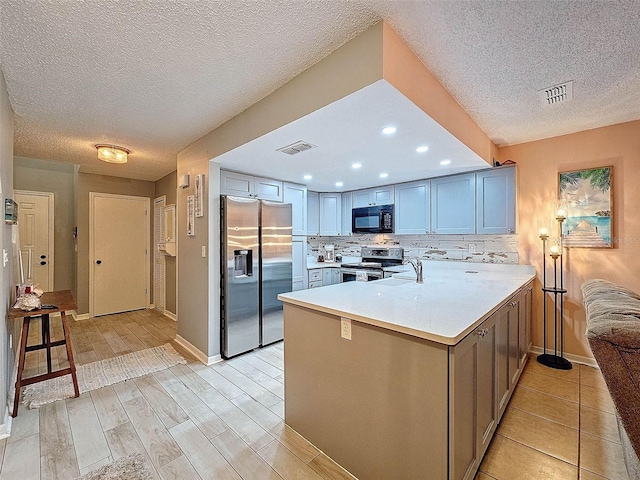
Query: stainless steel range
x,y
374,261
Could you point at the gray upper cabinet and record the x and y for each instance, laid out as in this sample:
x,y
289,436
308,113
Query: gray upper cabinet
x,y
296,195
241,185
453,204
373,196
346,213
330,214
412,208
313,213
495,201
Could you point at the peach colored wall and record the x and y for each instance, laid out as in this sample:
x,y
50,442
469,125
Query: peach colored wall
x,y
539,163
404,70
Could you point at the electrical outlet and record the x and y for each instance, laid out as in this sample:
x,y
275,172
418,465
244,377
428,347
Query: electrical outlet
x,y
472,248
345,328
204,251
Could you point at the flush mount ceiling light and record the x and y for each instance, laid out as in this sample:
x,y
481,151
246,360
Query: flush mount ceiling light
x,y
422,149
355,166
384,175
445,162
339,184
112,153
307,177
389,130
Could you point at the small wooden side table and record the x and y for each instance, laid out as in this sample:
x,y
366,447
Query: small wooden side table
x,y
63,300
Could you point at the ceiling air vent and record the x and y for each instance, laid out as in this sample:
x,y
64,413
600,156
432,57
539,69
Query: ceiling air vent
x,y
557,94
297,147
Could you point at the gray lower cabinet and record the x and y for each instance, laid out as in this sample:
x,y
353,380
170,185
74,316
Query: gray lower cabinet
x,y
473,408
484,370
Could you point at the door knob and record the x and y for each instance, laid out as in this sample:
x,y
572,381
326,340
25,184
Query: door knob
x,y
43,256
43,263
98,262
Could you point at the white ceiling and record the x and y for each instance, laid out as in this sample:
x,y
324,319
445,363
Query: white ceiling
x,y
348,132
155,76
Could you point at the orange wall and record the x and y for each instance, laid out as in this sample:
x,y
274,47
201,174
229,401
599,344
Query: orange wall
x,y
539,163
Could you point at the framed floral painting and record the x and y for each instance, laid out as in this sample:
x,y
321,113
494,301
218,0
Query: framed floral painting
x,y
587,197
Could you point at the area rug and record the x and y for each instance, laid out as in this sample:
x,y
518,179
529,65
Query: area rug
x,y
131,467
102,373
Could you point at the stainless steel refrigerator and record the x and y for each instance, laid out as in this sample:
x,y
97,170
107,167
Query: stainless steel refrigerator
x,y
256,267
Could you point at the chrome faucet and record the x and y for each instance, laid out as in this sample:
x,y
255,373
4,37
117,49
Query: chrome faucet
x,y
417,266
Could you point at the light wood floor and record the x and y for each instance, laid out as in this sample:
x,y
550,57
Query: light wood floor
x,y
226,421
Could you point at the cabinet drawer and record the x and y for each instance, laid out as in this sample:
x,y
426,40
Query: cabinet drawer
x,y
315,274
315,284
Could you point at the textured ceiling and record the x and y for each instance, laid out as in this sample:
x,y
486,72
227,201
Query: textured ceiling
x,y
154,76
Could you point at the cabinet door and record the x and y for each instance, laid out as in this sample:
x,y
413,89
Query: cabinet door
x,y
373,196
299,254
313,213
346,213
236,184
326,276
502,368
382,195
514,338
496,201
453,202
473,407
361,198
336,277
330,214
268,189
412,215
296,195
525,324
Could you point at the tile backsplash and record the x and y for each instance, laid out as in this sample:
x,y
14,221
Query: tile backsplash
x,y
463,248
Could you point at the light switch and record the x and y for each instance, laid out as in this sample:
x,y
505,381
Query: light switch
x,y
204,251
345,328
5,257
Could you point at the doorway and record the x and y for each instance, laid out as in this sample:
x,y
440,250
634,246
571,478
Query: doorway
x,y
36,229
119,266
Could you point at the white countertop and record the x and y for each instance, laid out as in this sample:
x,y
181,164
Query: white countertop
x,y
445,308
312,263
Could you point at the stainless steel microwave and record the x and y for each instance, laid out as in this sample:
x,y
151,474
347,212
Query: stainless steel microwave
x,y
376,219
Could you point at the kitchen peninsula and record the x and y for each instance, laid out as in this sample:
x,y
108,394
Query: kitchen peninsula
x,y
394,379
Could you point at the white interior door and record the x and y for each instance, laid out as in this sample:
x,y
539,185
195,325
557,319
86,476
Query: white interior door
x,y
119,242
35,223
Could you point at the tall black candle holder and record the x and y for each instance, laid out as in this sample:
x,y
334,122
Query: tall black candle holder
x,y
555,360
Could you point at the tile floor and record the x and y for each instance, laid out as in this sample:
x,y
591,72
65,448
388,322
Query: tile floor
x,y
226,421
558,425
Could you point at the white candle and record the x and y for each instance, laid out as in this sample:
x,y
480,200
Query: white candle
x,y
29,267
544,231
561,213
554,249
21,267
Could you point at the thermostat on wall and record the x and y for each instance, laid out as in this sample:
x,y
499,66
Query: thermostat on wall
x,y
183,181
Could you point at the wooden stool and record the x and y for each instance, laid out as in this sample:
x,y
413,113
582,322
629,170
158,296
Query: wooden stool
x,y
63,300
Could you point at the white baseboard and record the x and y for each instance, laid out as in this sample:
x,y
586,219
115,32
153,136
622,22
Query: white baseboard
x,y
5,426
591,362
200,356
82,316
172,316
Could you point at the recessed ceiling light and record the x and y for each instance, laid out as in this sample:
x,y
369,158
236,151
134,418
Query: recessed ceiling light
x,y
339,184
389,130
307,177
422,149
384,175
356,165
445,162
